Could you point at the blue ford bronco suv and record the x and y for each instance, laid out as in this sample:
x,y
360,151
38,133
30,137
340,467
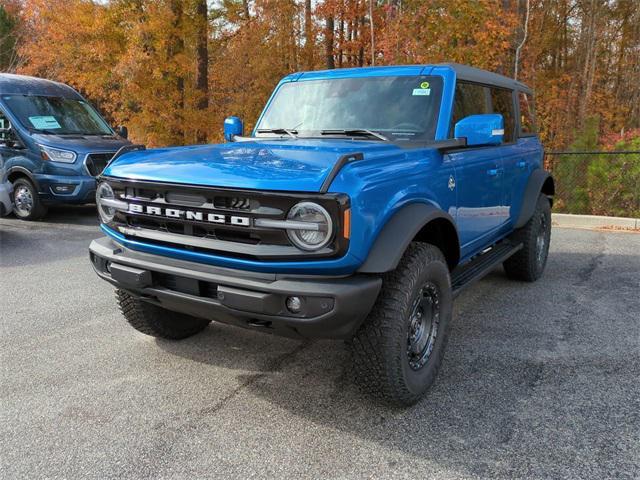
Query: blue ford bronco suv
x,y
361,204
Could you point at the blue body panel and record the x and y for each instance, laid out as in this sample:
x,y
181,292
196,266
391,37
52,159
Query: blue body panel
x,y
481,188
28,161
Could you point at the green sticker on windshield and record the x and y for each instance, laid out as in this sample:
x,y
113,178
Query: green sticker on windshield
x,y
424,85
44,122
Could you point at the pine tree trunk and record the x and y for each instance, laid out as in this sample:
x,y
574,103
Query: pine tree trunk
x,y
202,71
308,36
175,48
329,43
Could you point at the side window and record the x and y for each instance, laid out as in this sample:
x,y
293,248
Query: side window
x,y
527,114
4,129
470,99
502,101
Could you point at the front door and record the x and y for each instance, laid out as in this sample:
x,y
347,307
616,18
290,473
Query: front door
x,y
479,176
7,150
479,181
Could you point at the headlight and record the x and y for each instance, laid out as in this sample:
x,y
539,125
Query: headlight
x,y
105,192
320,227
57,155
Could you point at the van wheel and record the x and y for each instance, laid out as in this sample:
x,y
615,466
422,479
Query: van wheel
x,y
156,321
528,263
398,350
26,201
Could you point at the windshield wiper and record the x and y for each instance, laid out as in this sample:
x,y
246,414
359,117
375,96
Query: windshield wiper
x,y
44,131
355,132
279,131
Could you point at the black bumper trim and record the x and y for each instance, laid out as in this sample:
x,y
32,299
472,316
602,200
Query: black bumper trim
x,y
334,307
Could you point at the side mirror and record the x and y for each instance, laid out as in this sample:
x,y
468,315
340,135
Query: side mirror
x,y
123,131
485,129
233,127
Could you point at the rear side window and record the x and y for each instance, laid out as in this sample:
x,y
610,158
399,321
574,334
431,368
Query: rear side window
x,y
502,101
470,99
527,114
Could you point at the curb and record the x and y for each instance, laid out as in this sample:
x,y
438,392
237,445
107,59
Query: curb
x,y
594,222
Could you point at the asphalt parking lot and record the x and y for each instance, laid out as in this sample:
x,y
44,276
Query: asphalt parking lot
x,y
540,380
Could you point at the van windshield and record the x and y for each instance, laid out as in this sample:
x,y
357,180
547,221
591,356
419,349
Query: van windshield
x,y
56,115
397,107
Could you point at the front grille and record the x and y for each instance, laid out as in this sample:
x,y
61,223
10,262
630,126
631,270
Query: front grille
x,y
96,162
219,221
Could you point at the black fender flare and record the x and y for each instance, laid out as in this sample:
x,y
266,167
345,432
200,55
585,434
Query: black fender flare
x,y
400,231
23,172
540,181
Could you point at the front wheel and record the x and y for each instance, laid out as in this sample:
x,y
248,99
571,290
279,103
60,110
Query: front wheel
x,y
26,201
398,350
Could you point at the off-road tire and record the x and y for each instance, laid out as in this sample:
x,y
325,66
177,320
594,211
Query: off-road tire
x,y
528,263
380,360
156,321
38,210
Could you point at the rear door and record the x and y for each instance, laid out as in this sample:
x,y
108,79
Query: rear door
x,y
516,152
478,176
524,155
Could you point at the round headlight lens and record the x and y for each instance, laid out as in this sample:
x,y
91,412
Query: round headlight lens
x,y
320,226
103,191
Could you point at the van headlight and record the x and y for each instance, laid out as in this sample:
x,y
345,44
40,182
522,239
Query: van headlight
x,y
105,192
57,154
312,226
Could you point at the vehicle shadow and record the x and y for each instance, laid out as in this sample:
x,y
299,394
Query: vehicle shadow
x,y
72,215
463,412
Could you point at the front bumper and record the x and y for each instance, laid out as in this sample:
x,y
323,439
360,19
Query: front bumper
x,y
6,204
332,307
66,188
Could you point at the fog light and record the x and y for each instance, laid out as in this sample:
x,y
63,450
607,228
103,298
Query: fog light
x,y
65,188
294,304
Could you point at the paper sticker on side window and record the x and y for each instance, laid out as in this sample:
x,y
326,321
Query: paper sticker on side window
x,y
421,91
44,122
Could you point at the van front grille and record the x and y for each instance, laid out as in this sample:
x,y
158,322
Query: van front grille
x,y
96,162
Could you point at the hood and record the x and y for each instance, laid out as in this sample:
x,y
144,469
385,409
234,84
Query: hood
x,y
82,144
286,165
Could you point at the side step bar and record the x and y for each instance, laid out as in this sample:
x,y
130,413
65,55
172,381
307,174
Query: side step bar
x,y
476,268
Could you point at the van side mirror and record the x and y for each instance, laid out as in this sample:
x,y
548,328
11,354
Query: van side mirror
x,y
233,127
484,129
123,131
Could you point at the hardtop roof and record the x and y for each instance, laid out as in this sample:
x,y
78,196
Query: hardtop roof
x,y
25,85
477,75
463,72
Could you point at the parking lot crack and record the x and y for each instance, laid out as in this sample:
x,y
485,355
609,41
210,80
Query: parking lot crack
x,y
585,274
273,366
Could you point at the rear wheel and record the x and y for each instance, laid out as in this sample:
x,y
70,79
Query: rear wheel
x,y
528,263
398,350
26,201
156,321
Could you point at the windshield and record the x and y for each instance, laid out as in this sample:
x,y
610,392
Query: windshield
x,y
57,115
401,107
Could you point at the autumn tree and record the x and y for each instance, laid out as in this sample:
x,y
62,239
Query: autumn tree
x,y
173,69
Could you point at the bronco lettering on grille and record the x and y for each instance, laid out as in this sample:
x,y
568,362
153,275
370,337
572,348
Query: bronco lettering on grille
x,y
190,215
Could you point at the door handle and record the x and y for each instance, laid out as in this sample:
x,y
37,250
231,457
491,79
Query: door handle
x,y
493,172
521,164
